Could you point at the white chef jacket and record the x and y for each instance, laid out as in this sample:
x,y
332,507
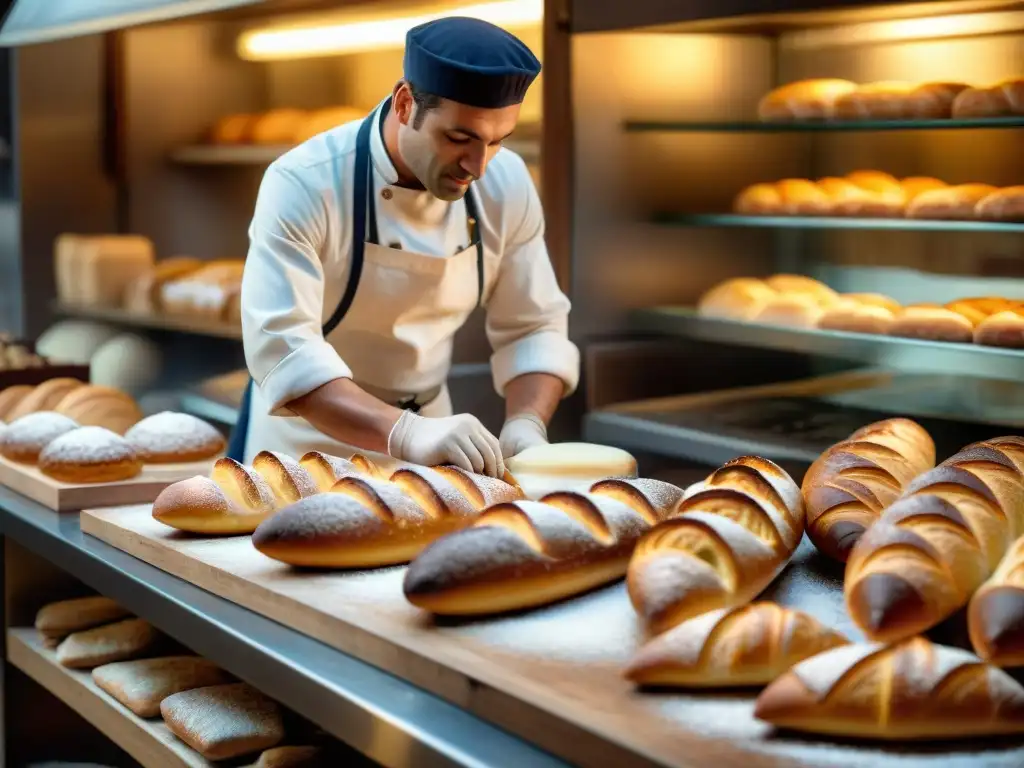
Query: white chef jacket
x,y
298,264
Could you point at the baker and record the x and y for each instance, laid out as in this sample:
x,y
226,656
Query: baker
x,y
373,242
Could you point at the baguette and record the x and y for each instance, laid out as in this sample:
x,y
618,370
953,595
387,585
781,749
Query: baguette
x,y
526,554
848,486
288,480
930,550
326,470
234,499
1004,99
995,615
730,537
912,690
365,522
740,646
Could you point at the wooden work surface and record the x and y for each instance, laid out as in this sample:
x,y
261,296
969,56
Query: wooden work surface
x,y
550,675
71,497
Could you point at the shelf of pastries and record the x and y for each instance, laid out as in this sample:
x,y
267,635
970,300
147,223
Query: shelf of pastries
x,y
22,367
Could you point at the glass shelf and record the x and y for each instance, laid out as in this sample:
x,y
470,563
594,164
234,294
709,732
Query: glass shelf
x,y
828,222
825,126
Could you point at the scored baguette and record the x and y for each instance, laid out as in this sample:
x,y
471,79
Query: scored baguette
x,y
526,554
732,534
911,690
848,486
740,646
931,549
995,615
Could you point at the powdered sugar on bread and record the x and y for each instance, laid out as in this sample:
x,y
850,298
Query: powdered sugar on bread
x,y
169,437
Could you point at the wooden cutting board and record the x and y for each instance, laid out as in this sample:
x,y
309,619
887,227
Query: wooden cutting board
x,y
552,676
72,497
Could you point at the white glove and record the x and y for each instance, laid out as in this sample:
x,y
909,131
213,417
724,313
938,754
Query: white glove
x,y
521,432
458,440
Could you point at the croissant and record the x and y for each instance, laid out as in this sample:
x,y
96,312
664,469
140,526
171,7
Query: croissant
x,y
732,534
366,522
529,553
932,548
848,486
744,645
911,690
995,615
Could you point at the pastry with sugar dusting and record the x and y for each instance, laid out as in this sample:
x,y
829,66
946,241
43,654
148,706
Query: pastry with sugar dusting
x,y
89,455
174,438
122,640
287,479
366,522
233,500
525,554
221,722
326,470
24,438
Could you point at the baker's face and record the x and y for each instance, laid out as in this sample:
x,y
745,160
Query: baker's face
x,y
453,144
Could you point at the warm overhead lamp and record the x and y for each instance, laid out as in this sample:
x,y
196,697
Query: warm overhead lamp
x,y
330,39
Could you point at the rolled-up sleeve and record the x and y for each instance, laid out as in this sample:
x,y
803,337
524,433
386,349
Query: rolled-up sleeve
x,y
282,294
527,313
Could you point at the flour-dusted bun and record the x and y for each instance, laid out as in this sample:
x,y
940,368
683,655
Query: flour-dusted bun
x,y
24,438
172,438
326,470
66,616
98,406
221,722
142,684
126,639
287,479
553,467
89,455
44,397
10,397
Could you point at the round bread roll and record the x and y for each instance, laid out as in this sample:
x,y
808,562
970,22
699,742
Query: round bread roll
x,y
758,200
949,203
73,341
913,186
89,455
23,439
932,323
544,469
128,362
792,310
44,397
801,197
278,126
886,100
740,298
856,317
804,100
801,284
873,300
96,406
10,397
232,129
846,198
174,438
1005,204
931,101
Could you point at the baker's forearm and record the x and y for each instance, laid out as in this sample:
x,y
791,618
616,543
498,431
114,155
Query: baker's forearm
x,y
348,414
537,394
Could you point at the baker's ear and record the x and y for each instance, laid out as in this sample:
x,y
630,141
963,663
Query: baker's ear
x,y
402,102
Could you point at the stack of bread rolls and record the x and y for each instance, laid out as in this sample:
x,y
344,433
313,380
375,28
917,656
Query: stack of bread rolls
x,y
282,126
839,99
876,194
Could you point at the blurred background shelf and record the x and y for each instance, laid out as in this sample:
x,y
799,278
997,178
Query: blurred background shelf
x,y
828,222
197,327
820,126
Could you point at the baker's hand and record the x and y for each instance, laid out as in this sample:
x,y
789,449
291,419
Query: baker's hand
x,y
459,440
521,432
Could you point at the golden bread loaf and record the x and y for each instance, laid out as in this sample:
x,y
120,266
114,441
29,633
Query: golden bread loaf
x,y
234,499
914,186
874,101
758,200
785,283
740,298
845,197
860,313
1006,204
1002,329
995,614
848,486
142,684
24,438
363,521
44,397
525,554
126,639
10,397
93,405
792,310
143,294
932,548
804,100
1004,99
326,470
288,480
221,722
932,323
912,690
949,203
739,646
66,616
731,535
802,197
174,438
89,455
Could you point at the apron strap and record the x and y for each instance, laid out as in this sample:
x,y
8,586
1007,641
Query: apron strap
x,y
474,217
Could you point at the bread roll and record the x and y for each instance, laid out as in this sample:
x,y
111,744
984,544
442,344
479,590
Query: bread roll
x,y
853,316
553,467
174,438
801,197
885,196
848,486
322,120
1002,329
929,551
804,100
366,522
1004,99
731,535
740,298
526,554
290,757
66,616
739,646
846,198
889,100
24,438
785,283
233,129
792,310
99,406
913,690
932,323
977,309
995,615
44,397
10,397
758,200
89,455
143,294
125,639
234,499
949,203
141,685
277,126
914,186
326,470
287,479
1005,204
873,300
221,722
931,101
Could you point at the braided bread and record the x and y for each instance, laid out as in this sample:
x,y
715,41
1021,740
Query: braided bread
x,y
995,615
732,534
912,690
848,486
744,645
932,548
529,553
364,521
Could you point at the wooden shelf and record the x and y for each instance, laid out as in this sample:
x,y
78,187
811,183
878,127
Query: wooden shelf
x,y
148,741
158,322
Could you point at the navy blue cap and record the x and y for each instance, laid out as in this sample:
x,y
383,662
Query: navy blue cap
x,y
469,61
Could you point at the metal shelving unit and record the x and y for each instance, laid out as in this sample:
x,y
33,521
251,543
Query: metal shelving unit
x,y
161,322
833,222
